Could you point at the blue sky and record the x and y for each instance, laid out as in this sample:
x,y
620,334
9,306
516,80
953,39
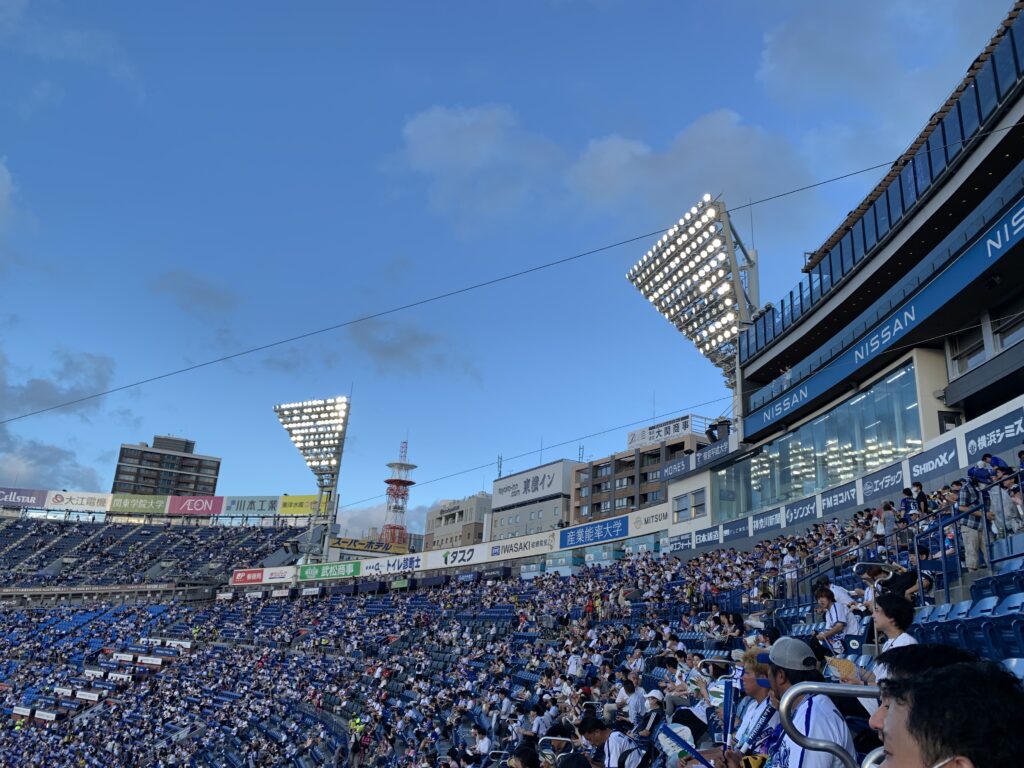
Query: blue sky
x,y
181,182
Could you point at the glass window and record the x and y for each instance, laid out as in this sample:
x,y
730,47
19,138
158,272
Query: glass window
x,y
988,98
835,265
847,248
697,505
584,510
922,170
815,280
870,235
966,351
584,491
1006,68
881,208
604,470
622,503
872,428
936,151
895,201
1008,323
908,185
1017,32
968,103
759,332
857,237
825,275
954,133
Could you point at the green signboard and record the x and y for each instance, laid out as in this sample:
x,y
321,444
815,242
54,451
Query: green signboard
x,y
329,571
132,504
400,584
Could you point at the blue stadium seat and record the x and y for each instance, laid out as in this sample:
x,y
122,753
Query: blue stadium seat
x,y
1016,666
949,626
1006,629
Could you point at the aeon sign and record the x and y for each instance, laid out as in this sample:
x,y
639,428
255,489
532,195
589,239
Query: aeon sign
x,y
195,505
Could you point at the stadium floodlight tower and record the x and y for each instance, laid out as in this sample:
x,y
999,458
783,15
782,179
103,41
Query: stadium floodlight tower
x,y
700,277
317,428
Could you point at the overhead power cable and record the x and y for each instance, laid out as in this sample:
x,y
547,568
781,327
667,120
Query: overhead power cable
x,y
432,299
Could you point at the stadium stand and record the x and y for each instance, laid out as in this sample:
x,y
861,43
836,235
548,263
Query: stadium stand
x,y
392,679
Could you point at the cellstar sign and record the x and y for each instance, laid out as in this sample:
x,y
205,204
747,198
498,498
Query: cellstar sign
x,y
20,497
934,462
838,499
1001,435
885,483
985,251
801,510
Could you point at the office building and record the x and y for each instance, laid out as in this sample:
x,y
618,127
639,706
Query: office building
x,y
457,523
170,467
532,501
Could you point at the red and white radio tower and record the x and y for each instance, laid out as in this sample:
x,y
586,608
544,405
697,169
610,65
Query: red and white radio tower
x,y
394,531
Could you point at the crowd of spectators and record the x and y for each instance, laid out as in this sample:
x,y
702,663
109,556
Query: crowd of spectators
x,y
596,662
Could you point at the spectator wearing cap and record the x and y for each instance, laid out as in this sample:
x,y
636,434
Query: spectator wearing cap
x,y
653,716
790,662
1005,511
994,461
926,727
969,500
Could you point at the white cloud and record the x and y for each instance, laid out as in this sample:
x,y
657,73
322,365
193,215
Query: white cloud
x,y
30,31
479,162
358,522
718,153
865,77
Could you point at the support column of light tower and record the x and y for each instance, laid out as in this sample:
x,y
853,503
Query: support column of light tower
x,y
702,279
394,530
317,428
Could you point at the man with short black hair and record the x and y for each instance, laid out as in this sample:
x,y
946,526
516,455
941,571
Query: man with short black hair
x,y
619,750
926,727
971,528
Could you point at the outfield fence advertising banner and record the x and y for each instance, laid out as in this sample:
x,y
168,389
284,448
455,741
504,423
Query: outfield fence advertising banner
x,y
22,498
325,571
302,505
251,506
137,504
78,501
189,506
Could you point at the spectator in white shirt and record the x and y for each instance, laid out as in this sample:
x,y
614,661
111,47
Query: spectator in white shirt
x,y
792,661
836,619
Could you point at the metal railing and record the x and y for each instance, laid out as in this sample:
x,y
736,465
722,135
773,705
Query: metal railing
x,y
788,704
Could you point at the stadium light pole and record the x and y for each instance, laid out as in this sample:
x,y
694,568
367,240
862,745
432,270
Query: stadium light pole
x,y
702,279
317,428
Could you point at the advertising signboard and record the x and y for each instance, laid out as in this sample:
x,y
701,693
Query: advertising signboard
x,y
22,497
302,505
538,483
594,533
78,501
137,504
323,571
204,506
